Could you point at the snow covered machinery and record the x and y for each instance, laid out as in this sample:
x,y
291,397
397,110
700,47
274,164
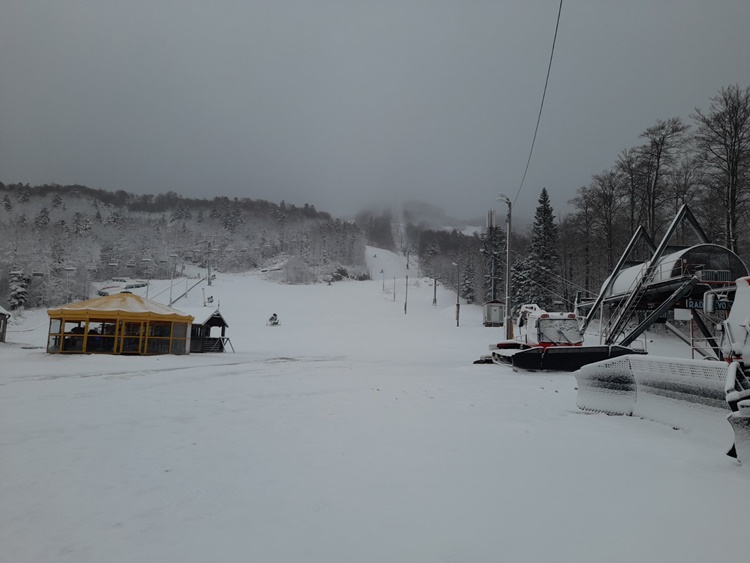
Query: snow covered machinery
x,y
699,395
685,393
549,341
735,347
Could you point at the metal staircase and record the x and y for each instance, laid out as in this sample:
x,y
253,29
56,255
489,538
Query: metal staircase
x,y
625,311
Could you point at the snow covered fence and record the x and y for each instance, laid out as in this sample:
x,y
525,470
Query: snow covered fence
x,y
685,394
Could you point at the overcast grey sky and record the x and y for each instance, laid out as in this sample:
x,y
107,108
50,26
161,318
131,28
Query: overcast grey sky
x,y
339,103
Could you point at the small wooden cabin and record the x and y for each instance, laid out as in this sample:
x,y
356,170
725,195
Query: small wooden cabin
x,y
208,333
4,316
122,323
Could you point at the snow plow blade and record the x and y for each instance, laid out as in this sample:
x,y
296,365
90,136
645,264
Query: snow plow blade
x,y
559,358
685,394
607,386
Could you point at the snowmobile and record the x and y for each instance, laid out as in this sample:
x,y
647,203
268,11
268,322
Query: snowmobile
x,y
549,341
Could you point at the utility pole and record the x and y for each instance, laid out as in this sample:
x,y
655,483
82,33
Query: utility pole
x,y
434,292
208,261
406,294
458,281
488,249
493,260
209,240
507,321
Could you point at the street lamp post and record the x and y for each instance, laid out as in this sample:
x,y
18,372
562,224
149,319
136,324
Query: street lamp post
x,y
508,304
406,293
458,281
208,261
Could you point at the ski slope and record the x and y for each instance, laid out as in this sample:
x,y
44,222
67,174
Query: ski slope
x,y
352,432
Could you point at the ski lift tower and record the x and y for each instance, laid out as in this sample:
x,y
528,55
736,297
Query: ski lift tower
x,y
114,264
209,240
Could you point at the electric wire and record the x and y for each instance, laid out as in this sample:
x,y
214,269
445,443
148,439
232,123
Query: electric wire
x,y
548,290
547,270
541,107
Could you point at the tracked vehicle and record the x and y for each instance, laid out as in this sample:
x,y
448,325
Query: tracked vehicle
x,y
549,341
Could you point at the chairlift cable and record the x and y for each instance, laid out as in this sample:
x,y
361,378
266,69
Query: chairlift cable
x,y
524,258
544,93
536,283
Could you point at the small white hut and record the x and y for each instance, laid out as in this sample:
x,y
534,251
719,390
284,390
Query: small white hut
x,y
4,316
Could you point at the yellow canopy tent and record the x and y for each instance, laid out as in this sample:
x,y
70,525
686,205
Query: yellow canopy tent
x,y
122,323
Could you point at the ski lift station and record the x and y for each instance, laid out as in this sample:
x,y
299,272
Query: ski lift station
x,y
674,279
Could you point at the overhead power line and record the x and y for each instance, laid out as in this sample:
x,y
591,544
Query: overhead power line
x,y
541,107
553,274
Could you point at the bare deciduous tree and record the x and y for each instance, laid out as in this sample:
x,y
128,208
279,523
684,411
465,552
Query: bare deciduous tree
x,y
723,145
664,140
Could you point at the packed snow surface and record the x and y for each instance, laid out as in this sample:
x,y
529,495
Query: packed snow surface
x,y
353,432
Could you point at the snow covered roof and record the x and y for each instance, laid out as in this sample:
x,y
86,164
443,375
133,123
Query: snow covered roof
x,y
202,314
4,312
123,304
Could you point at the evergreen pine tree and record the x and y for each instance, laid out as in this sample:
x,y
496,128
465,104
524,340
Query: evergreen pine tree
x,y
18,290
42,220
468,284
535,279
493,244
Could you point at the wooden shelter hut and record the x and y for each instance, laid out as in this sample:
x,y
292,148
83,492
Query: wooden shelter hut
x,y
202,337
4,316
122,323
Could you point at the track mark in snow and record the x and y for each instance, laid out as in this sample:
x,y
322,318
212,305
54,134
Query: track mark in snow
x,y
282,359
247,364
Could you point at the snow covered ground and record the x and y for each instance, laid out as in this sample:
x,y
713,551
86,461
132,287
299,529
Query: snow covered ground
x,y
351,433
